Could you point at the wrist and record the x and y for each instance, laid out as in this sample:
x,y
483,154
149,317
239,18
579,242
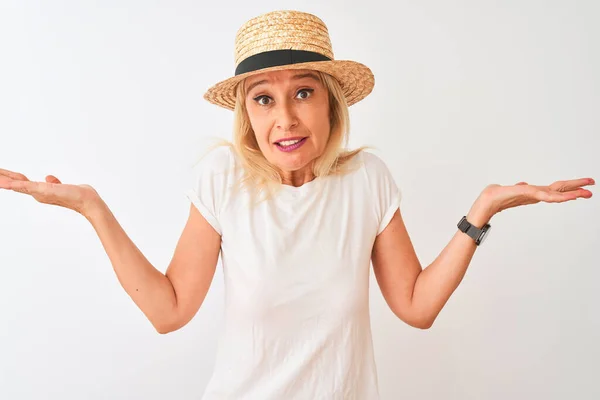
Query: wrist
x,y
93,207
479,214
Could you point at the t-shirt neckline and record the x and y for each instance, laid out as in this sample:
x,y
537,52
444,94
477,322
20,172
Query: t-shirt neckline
x,y
304,188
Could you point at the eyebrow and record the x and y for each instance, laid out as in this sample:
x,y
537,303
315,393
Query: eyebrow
x,y
295,77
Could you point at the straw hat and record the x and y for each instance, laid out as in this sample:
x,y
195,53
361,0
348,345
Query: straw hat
x,y
289,40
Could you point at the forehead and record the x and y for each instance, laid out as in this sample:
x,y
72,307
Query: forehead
x,y
280,76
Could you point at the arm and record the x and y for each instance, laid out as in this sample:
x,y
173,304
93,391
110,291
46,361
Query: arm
x,y
417,296
414,294
168,300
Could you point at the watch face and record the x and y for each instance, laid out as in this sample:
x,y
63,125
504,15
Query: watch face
x,y
484,235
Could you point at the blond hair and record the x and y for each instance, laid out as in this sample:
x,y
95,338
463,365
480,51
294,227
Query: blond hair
x,y
259,175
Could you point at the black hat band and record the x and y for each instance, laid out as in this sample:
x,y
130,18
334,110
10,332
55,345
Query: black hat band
x,y
275,58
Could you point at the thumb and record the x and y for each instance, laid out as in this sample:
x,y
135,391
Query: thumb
x,y
52,179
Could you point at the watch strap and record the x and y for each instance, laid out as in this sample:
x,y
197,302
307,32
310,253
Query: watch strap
x,y
474,232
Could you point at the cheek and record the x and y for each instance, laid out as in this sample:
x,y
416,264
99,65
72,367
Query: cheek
x,y
261,131
320,126
263,143
262,135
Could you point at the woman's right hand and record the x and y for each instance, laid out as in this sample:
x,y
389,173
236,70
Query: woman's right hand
x,y
75,197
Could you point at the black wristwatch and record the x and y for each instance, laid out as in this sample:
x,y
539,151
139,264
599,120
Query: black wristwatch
x,y
478,234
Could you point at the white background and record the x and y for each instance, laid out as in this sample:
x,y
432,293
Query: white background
x,y
467,93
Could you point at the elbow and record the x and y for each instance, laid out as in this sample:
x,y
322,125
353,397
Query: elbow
x,y
164,328
422,324
169,322
417,320
423,321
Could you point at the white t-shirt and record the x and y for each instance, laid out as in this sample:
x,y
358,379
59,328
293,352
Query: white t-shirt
x,y
296,280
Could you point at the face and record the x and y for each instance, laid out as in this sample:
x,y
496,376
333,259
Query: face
x,y
289,113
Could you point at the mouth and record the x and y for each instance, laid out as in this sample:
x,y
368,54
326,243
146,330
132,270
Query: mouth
x,y
290,144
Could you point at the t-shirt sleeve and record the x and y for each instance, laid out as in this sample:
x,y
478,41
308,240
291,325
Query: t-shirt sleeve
x,y
209,186
385,191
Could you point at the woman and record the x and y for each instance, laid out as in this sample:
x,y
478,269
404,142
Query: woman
x,y
297,220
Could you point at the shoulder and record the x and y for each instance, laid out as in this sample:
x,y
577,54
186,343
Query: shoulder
x,y
216,170
218,162
219,158
378,175
371,159
373,164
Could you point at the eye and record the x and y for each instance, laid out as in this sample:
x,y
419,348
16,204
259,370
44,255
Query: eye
x,y
258,98
307,92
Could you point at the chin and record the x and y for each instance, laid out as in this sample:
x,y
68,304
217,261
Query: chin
x,y
293,162
292,165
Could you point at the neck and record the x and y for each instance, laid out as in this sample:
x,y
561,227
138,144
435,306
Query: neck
x,y
297,178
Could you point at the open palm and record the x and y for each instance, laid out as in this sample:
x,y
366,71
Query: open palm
x,y
52,191
503,197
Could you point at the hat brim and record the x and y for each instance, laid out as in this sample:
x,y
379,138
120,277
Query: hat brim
x,y
356,80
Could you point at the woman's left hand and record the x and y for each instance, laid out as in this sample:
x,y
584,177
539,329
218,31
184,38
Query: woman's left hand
x,y
500,197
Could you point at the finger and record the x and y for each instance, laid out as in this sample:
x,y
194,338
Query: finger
x,y
52,179
13,175
4,182
582,182
559,197
522,183
26,187
564,186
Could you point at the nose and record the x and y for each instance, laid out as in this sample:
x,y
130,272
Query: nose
x,y
286,117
